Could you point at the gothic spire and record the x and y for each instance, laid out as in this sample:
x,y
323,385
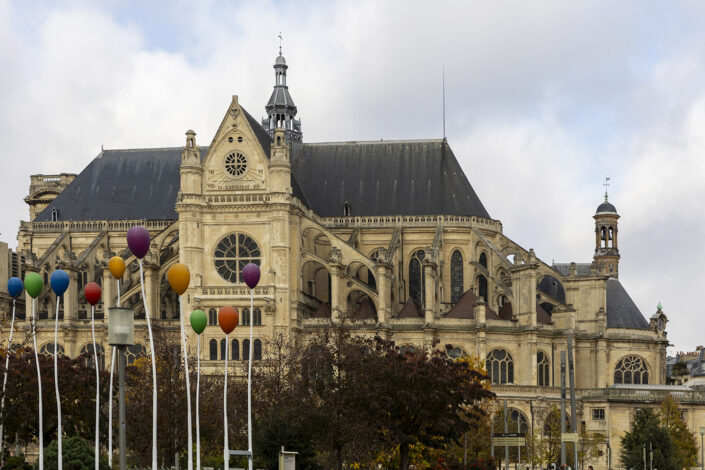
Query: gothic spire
x,y
281,110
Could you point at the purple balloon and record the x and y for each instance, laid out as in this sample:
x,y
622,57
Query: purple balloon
x,y
138,241
251,274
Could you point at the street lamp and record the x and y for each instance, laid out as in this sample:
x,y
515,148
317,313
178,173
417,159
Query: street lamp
x,y
121,333
702,450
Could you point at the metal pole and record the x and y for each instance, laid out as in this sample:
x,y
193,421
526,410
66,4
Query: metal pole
x,y
121,412
506,431
518,447
644,456
563,456
702,450
249,386
573,418
465,451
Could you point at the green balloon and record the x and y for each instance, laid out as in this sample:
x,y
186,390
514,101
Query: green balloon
x,y
34,284
199,320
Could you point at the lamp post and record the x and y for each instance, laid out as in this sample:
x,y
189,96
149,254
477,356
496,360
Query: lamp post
x,y
121,333
702,450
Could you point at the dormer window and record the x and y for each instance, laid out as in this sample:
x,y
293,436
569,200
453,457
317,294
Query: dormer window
x,y
347,209
54,215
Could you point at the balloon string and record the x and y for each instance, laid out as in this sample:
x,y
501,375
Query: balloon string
x,y
97,392
118,299
56,384
198,386
39,381
4,379
110,410
154,373
249,387
188,385
226,449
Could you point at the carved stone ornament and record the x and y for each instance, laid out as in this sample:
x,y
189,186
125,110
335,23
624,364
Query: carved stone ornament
x,y
335,256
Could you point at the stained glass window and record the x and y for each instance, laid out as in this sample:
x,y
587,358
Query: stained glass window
x,y
456,276
232,254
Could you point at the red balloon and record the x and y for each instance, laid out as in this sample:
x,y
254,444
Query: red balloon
x,y
92,293
228,319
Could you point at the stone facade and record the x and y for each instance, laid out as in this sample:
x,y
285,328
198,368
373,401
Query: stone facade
x,y
425,280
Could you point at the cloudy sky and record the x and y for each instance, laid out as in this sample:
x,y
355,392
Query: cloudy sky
x,y
544,100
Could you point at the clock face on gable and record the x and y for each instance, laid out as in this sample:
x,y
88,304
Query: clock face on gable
x,y
236,164
232,170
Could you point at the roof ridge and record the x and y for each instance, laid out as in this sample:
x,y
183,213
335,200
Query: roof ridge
x,y
143,149
373,141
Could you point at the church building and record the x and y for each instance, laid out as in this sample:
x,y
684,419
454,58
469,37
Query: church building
x,y
388,234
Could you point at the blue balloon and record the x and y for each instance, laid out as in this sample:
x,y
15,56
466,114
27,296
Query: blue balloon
x,y
59,281
15,286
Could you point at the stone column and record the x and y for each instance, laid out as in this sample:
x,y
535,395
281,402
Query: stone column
x,y
71,295
384,294
429,292
601,366
335,307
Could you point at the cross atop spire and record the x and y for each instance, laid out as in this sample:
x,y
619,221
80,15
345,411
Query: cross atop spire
x,y
606,184
280,42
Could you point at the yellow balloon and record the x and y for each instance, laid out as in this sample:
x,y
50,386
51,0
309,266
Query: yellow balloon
x,y
179,278
117,267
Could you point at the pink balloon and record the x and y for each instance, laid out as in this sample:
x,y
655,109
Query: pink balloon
x,y
251,274
138,240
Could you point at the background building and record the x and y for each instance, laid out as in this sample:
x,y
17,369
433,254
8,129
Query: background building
x,y
390,234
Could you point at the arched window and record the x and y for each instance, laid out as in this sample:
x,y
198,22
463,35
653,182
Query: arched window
x,y
89,360
45,275
257,317
245,349
456,276
212,317
54,215
48,348
232,254
235,345
223,345
544,370
417,277
82,278
482,287
631,370
134,351
483,260
245,317
500,366
213,346
257,353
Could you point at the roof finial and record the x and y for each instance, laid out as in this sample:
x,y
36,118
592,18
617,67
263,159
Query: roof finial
x,y
606,184
659,307
280,42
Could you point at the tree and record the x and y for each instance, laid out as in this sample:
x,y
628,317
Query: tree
x,y
423,397
77,455
647,433
685,445
590,446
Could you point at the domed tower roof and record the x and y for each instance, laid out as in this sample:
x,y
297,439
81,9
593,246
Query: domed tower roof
x,y
606,207
279,60
281,110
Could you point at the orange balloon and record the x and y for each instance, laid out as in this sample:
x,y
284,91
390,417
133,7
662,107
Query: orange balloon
x,y
228,318
117,267
179,278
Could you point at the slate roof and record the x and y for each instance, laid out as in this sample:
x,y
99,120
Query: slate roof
x,y
564,268
606,207
413,177
416,177
280,98
132,184
622,312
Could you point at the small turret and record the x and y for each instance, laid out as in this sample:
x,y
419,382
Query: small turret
x,y
606,248
191,169
281,110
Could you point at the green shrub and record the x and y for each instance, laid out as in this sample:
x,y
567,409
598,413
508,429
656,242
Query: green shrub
x,y
77,455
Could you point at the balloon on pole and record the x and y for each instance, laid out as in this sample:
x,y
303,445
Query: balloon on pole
x,y
92,293
251,274
199,321
138,240
34,284
117,267
179,278
228,319
59,281
15,287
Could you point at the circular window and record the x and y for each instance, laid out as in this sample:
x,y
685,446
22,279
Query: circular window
x,y
232,253
236,164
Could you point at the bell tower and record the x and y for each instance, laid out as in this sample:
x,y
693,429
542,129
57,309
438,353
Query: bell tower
x,y
606,247
281,110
